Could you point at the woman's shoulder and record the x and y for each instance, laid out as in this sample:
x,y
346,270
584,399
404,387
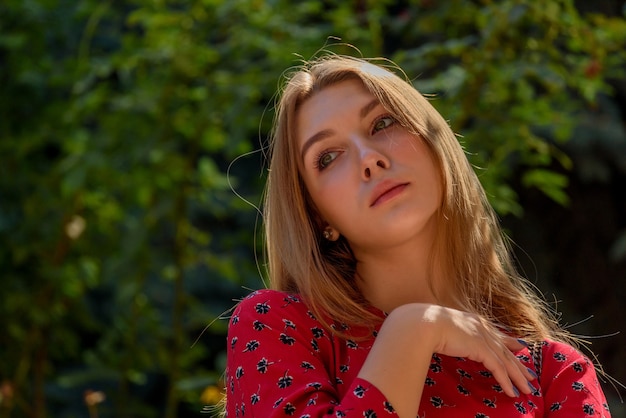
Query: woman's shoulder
x,y
569,381
267,303
271,294
265,299
563,362
561,353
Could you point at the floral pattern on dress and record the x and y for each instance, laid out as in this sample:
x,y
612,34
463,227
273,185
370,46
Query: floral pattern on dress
x,y
283,363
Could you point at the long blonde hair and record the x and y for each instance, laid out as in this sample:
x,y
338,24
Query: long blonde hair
x,y
470,248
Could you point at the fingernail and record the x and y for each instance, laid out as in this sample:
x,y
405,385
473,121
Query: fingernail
x,y
532,388
516,391
532,372
522,342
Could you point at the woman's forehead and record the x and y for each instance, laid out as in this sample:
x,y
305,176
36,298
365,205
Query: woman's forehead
x,y
328,105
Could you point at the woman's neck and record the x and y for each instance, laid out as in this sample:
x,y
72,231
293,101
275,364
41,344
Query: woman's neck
x,y
397,276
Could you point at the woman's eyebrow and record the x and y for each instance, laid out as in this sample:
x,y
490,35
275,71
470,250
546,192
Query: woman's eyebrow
x,y
313,139
365,110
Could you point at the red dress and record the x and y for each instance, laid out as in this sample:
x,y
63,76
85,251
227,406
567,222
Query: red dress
x,y
283,363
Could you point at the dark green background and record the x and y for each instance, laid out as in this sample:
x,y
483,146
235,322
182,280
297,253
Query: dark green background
x,y
121,237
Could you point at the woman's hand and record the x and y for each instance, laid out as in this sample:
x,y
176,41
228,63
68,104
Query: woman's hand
x,y
412,333
460,334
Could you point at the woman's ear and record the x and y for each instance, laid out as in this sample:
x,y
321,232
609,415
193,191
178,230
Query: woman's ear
x,y
328,232
318,222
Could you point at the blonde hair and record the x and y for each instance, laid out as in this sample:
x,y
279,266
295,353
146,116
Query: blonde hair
x,y
470,248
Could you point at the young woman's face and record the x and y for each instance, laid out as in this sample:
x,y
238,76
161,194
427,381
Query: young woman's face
x,y
370,179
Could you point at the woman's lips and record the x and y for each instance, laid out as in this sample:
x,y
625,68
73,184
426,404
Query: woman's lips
x,y
389,191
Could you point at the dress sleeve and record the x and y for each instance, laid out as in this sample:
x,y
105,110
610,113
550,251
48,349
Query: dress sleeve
x,y
570,384
280,363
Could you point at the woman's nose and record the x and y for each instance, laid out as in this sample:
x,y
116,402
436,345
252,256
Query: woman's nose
x,y
372,161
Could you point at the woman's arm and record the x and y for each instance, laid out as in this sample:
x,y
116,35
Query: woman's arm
x,y
412,333
570,384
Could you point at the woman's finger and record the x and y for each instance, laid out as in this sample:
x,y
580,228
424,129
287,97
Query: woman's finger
x,y
516,344
495,362
515,376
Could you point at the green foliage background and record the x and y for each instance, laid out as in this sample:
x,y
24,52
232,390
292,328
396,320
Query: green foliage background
x,y
120,236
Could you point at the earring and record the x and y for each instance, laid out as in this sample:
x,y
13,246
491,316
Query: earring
x,y
328,233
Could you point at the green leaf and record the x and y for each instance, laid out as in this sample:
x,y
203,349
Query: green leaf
x,y
549,182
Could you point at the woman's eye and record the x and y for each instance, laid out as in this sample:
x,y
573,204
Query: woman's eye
x,y
382,123
325,158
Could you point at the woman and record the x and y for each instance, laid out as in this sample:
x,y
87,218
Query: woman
x,y
392,291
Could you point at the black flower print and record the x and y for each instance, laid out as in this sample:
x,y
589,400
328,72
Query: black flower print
x,y
359,391
258,325
314,385
338,381
485,373
497,388
289,409
588,409
578,368
234,319
369,414
233,342
262,308
520,407
315,346
286,339
312,401
429,382
278,402
462,390
463,374
479,415
251,345
239,372
436,401
559,356
317,332
340,414
289,324
556,406
291,299
578,386
307,366
285,381
388,407
262,365
344,368
435,367
490,403
524,358
255,398
534,390
351,344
